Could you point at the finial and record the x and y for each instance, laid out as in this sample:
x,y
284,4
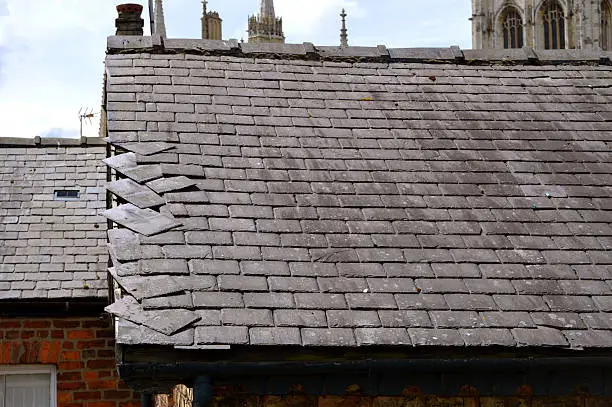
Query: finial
x,y
205,30
343,31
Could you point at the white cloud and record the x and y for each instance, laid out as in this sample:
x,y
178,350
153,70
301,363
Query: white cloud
x,y
60,133
3,8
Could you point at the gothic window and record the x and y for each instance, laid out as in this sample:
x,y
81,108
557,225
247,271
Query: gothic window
x,y
554,25
606,26
512,27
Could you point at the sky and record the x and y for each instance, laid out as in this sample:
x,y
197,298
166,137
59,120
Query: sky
x,y
52,51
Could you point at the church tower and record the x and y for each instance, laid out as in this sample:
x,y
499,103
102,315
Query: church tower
x,y
265,27
212,25
542,24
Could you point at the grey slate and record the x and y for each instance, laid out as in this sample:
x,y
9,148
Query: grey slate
x,y
143,221
167,322
368,196
136,194
52,248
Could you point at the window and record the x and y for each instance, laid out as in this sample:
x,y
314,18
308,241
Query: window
x,y
66,195
554,25
512,27
27,386
606,26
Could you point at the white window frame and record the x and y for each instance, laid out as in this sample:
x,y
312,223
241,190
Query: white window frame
x,y
12,370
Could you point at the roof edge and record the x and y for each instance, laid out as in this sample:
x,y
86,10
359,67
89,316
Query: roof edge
x,y
54,141
309,51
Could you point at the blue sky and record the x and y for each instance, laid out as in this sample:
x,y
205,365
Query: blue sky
x,y
52,51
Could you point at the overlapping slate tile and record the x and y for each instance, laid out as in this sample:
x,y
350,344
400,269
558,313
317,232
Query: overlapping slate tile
x,y
143,221
167,322
148,148
126,164
135,193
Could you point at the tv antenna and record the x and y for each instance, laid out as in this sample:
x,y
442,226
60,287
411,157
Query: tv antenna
x,y
85,114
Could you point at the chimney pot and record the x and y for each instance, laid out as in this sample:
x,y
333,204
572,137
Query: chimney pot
x,y
129,21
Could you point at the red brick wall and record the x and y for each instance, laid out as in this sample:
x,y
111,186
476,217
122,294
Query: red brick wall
x,y
83,351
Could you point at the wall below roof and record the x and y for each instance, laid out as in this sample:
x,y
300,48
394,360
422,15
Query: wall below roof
x,y
82,349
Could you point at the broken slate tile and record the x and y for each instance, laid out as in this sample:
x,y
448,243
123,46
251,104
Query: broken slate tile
x,y
129,333
148,148
167,322
135,193
164,185
126,164
154,286
143,221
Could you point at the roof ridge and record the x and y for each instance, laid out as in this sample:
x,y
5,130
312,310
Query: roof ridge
x,y
51,141
380,53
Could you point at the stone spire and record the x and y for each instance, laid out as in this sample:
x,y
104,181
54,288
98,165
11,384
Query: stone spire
x,y
343,31
160,21
265,26
266,9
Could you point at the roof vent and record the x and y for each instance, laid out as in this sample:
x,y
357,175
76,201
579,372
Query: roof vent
x,y
66,195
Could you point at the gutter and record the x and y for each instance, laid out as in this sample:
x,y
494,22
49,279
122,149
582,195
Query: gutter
x,y
160,377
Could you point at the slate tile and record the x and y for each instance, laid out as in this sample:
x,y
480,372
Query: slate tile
x,y
167,322
300,318
589,339
246,317
129,333
328,337
538,337
275,336
435,337
348,319
215,335
320,301
487,337
135,193
520,303
217,300
562,320
566,303
506,319
143,221
269,300
162,266
214,267
183,301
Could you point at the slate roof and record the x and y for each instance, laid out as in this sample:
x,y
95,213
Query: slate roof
x,y
52,249
293,195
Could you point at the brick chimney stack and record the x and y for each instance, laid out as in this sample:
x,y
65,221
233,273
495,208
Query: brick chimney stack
x,y
129,21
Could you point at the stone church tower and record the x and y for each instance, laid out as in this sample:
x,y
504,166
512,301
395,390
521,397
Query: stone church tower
x,y
212,24
542,24
265,27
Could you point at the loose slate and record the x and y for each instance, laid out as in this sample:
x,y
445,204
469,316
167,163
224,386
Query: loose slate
x,y
129,333
164,185
135,193
148,148
144,221
124,244
151,287
167,322
126,164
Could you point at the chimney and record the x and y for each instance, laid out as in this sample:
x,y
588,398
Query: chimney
x,y
129,21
